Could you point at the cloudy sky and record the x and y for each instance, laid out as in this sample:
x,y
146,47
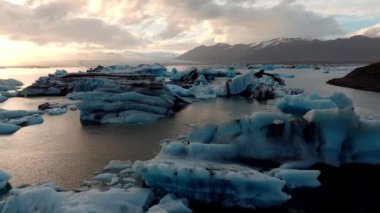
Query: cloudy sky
x,y
31,30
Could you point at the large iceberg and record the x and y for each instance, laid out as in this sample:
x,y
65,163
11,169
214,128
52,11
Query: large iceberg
x,y
117,104
229,163
115,94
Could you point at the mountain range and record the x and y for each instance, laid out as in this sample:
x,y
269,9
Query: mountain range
x,y
356,49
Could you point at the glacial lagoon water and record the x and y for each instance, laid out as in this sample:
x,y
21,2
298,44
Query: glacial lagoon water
x,y
65,151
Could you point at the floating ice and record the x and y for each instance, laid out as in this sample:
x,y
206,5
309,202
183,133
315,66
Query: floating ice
x,y
8,88
154,69
145,102
298,178
302,103
56,111
260,85
13,120
3,98
170,204
286,75
207,165
6,128
60,73
4,178
53,109
9,84
230,185
46,199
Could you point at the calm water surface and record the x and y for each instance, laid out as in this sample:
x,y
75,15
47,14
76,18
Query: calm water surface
x,y
65,151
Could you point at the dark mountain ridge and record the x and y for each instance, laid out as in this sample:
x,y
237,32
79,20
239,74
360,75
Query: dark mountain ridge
x,y
356,49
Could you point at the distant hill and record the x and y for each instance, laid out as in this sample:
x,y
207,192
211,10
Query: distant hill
x,y
364,78
356,49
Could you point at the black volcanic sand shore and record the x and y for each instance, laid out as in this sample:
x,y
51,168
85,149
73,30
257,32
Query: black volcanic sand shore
x,y
348,188
364,78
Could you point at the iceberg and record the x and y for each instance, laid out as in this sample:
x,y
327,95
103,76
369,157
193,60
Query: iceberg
x,y
9,88
229,185
3,98
302,103
114,94
236,163
259,85
56,111
4,178
157,70
296,178
47,199
13,120
6,128
170,204
9,84
197,91
286,75
53,109
128,107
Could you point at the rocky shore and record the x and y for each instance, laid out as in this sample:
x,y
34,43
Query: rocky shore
x,y
363,78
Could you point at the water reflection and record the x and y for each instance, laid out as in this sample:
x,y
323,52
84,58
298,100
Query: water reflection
x,y
64,150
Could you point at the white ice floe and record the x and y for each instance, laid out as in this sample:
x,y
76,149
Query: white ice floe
x,y
170,204
47,199
302,103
